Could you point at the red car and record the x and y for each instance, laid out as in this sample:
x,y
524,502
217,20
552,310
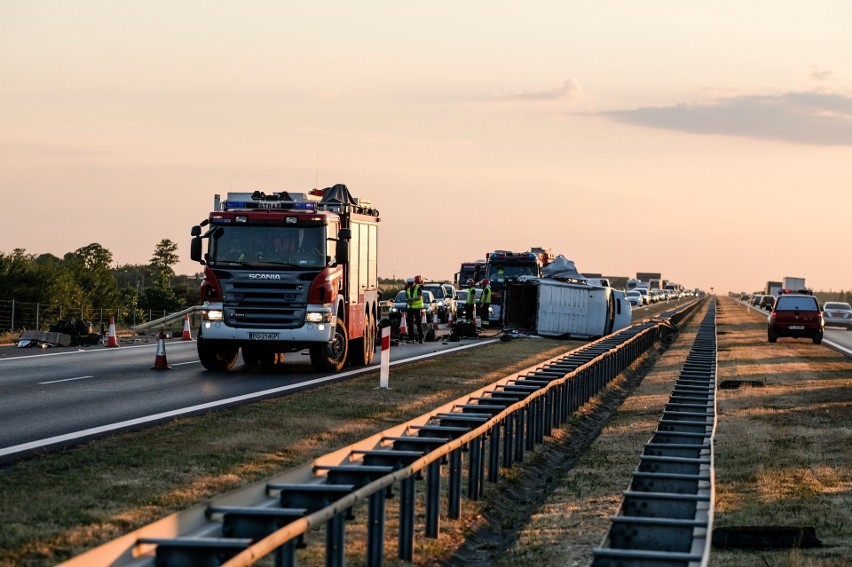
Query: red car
x,y
796,315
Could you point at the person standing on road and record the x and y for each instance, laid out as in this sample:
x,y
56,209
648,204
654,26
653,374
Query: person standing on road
x,y
470,300
414,305
485,302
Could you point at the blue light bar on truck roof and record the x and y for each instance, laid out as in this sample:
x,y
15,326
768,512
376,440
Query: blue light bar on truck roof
x,y
270,205
274,201
506,255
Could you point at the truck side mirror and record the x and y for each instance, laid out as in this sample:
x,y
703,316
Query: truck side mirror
x,y
195,249
341,253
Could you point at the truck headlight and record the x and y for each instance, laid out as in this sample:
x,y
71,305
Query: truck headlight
x,y
212,315
318,317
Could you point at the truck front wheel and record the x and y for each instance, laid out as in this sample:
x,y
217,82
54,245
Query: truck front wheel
x,y
216,358
330,357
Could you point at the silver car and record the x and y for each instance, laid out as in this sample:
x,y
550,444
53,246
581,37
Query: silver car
x,y
635,298
837,314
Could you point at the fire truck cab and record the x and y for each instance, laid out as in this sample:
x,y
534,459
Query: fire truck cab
x,y
285,272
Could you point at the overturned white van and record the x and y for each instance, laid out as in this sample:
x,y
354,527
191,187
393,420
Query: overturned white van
x,y
564,305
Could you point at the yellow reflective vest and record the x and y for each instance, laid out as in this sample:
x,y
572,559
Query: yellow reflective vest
x,y
414,297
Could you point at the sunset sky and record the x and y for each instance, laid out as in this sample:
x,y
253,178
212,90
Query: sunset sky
x,y
709,141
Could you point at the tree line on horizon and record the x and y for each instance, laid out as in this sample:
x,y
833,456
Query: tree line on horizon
x,y
85,280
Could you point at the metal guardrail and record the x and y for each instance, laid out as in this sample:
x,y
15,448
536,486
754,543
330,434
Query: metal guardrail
x,y
170,318
666,516
491,428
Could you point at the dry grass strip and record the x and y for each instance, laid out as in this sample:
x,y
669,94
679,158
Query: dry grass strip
x,y
783,450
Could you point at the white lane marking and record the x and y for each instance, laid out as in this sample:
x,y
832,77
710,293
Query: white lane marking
x,y
28,356
41,443
838,347
65,380
182,363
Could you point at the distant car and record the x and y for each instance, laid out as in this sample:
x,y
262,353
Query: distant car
x,y
796,315
634,298
445,296
461,300
766,302
755,299
646,298
399,304
837,314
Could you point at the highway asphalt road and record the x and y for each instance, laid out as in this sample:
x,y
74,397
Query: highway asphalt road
x,y
64,395
833,337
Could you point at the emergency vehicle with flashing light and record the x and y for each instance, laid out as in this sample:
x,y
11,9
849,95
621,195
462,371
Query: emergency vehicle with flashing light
x,y
284,272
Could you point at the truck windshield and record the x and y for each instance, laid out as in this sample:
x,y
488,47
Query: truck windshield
x,y
264,245
500,272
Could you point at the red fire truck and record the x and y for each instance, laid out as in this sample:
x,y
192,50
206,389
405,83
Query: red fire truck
x,y
284,272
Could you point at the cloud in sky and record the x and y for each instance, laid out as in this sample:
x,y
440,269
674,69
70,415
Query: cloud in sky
x,y
569,89
815,118
818,74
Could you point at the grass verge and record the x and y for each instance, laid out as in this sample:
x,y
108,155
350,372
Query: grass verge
x,y
782,452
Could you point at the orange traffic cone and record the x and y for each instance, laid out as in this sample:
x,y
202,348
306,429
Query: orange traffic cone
x,y
423,317
111,339
403,329
187,335
160,362
449,319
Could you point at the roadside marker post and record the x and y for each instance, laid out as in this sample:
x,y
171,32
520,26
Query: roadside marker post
x,y
384,365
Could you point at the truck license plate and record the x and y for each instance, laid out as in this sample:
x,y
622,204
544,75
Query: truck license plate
x,y
263,336
797,327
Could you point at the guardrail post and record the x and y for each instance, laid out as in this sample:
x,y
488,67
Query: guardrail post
x,y
375,529
406,519
285,556
508,436
556,407
494,454
576,392
335,541
433,499
519,434
455,480
538,436
474,475
530,426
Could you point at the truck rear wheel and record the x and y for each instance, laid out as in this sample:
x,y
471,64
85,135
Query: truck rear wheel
x,y
330,357
364,349
216,358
